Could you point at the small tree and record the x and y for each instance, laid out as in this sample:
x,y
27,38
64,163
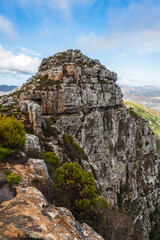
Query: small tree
x,y
78,184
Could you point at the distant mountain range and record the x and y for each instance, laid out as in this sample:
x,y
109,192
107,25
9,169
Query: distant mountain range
x,y
148,96
6,88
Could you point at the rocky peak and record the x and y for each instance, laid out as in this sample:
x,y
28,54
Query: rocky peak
x,y
70,82
82,97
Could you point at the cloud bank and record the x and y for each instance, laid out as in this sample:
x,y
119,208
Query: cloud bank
x,y
18,62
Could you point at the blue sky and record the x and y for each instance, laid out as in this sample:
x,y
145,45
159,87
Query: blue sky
x,y
124,35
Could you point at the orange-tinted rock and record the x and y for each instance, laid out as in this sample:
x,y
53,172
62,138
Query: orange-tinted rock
x,y
29,215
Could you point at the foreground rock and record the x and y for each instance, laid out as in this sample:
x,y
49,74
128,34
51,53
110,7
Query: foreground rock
x,y
29,215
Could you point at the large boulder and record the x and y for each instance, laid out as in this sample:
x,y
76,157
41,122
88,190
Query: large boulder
x,y
38,168
32,144
29,215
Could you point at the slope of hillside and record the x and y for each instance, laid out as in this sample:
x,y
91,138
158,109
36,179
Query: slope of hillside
x,y
148,96
149,114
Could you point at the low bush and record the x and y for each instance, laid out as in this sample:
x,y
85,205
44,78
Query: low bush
x,y
52,161
78,184
4,152
12,134
13,178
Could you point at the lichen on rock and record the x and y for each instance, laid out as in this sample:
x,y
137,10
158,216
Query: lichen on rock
x,y
29,215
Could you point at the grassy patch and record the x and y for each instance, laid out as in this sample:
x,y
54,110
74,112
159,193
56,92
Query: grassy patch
x,y
152,116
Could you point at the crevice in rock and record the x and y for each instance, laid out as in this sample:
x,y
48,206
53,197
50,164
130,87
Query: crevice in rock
x,y
7,192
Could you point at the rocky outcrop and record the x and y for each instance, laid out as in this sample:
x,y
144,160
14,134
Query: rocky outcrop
x,y
32,144
38,168
33,169
35,115
28,215
82,97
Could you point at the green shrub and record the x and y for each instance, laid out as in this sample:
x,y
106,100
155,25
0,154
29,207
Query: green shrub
x,y
78,184
72,149
12,134
4,152
13,178
52,161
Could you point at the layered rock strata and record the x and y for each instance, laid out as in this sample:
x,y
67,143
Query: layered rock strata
x,y
82,97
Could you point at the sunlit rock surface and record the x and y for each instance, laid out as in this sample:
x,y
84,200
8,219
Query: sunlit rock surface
x,y
28,215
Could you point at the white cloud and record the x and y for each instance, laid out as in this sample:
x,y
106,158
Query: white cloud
x,y
19,62
140,41
7,27
135,27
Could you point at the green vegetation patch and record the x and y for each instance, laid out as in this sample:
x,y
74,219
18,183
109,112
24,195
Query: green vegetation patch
x,y
4,152
78,184
152,116
13,178
72,149
52,161
12,134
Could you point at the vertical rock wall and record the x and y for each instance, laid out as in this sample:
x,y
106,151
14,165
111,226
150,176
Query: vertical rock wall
x,y
83,97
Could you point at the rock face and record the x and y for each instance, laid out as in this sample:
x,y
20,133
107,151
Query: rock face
x,y
82,96
28,215
35,115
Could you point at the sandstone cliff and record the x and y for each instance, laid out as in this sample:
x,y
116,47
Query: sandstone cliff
x,y
80,97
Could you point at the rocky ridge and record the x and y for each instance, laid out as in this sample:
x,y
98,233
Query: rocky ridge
x,y
80,97
29,216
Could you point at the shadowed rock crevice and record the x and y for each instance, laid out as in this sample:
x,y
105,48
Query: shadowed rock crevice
x,y
6,192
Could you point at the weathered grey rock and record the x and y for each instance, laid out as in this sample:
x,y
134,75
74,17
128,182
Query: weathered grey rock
x,y
32,144
35,115
9,104
86,102
37,167
33,217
